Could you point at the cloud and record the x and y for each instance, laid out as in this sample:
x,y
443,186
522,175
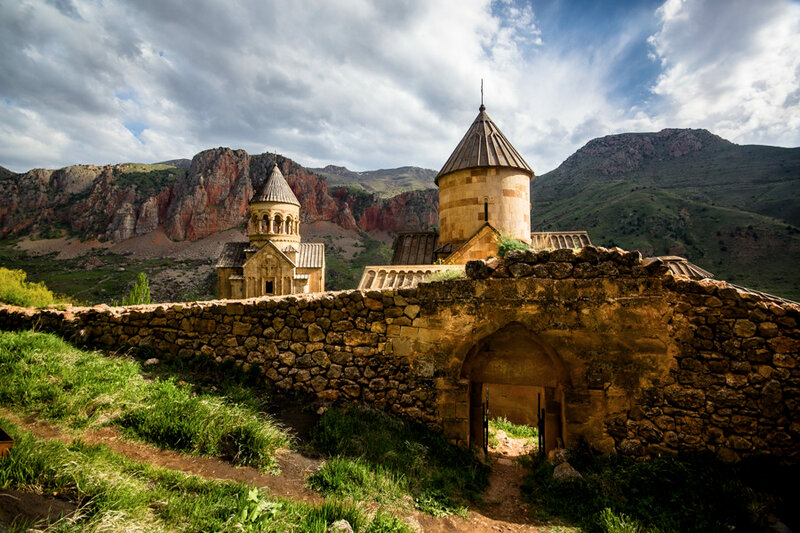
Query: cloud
x,y
372,84
731,67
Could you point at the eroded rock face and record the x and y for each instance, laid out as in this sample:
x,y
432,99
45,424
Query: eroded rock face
x,y
213,196
628,151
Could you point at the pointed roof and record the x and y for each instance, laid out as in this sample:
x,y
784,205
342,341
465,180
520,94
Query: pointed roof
x,y
275,189
484,145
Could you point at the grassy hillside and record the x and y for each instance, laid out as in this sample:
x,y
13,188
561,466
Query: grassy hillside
x,y
105,277
733,210
385,182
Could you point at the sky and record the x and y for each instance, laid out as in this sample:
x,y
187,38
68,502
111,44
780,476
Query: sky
x,y
385,83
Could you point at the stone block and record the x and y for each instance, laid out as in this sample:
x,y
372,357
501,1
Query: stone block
x,y
357,337
520,270
785,345
744,328
315,333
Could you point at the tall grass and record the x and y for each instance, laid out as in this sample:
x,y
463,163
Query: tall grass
x,y
383,457
44,374
116,494
447,275
15,290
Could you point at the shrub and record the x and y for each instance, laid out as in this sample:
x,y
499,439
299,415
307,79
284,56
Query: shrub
x,y
15,290
140,293
506,244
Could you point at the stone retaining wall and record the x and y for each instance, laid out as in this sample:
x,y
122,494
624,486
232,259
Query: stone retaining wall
x,y
651,363
331,345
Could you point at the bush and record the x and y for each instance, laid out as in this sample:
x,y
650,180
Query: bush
x,y
140,293
15,290
506,244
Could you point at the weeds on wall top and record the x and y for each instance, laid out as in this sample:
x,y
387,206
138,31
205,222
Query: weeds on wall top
x,y
506,244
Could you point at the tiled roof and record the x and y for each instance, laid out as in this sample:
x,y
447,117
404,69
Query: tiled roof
x,y
484,145
681,265
232,255
415,248
312,255
556,240
275,189
399,277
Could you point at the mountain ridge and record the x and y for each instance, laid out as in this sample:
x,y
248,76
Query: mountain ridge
x,y
731,209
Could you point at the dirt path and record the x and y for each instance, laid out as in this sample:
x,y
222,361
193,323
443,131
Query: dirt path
x,y
501,510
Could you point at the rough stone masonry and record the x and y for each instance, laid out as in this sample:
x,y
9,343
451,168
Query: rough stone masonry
x,y
647,363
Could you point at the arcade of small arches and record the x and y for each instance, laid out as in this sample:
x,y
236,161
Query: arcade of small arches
x,y
276,223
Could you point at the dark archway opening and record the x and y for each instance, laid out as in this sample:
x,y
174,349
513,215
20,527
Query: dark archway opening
x,y
525,381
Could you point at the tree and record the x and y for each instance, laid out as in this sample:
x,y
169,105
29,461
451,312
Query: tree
x,y
140,293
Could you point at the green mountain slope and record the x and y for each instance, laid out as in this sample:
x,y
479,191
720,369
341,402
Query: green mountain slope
x,y
384,182
733,210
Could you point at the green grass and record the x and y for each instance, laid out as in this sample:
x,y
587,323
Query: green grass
x,y
383,183
515,431
15,290
358,479
46,375
117,494
730,209
383,457
668,494
147,180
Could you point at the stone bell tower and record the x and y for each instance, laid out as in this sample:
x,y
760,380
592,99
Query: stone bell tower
x,y
275,213
485,180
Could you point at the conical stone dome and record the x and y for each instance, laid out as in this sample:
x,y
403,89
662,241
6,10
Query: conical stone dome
x,y
275,189
483,146
484,182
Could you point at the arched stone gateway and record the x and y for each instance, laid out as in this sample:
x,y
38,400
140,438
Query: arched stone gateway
x,y
522,378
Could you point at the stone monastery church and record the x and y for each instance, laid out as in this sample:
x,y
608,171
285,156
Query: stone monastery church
x,y
484,193
274,262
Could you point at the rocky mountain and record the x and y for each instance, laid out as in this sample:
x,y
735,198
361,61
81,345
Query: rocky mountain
x,y
385,182
180,163
734,210
117,202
